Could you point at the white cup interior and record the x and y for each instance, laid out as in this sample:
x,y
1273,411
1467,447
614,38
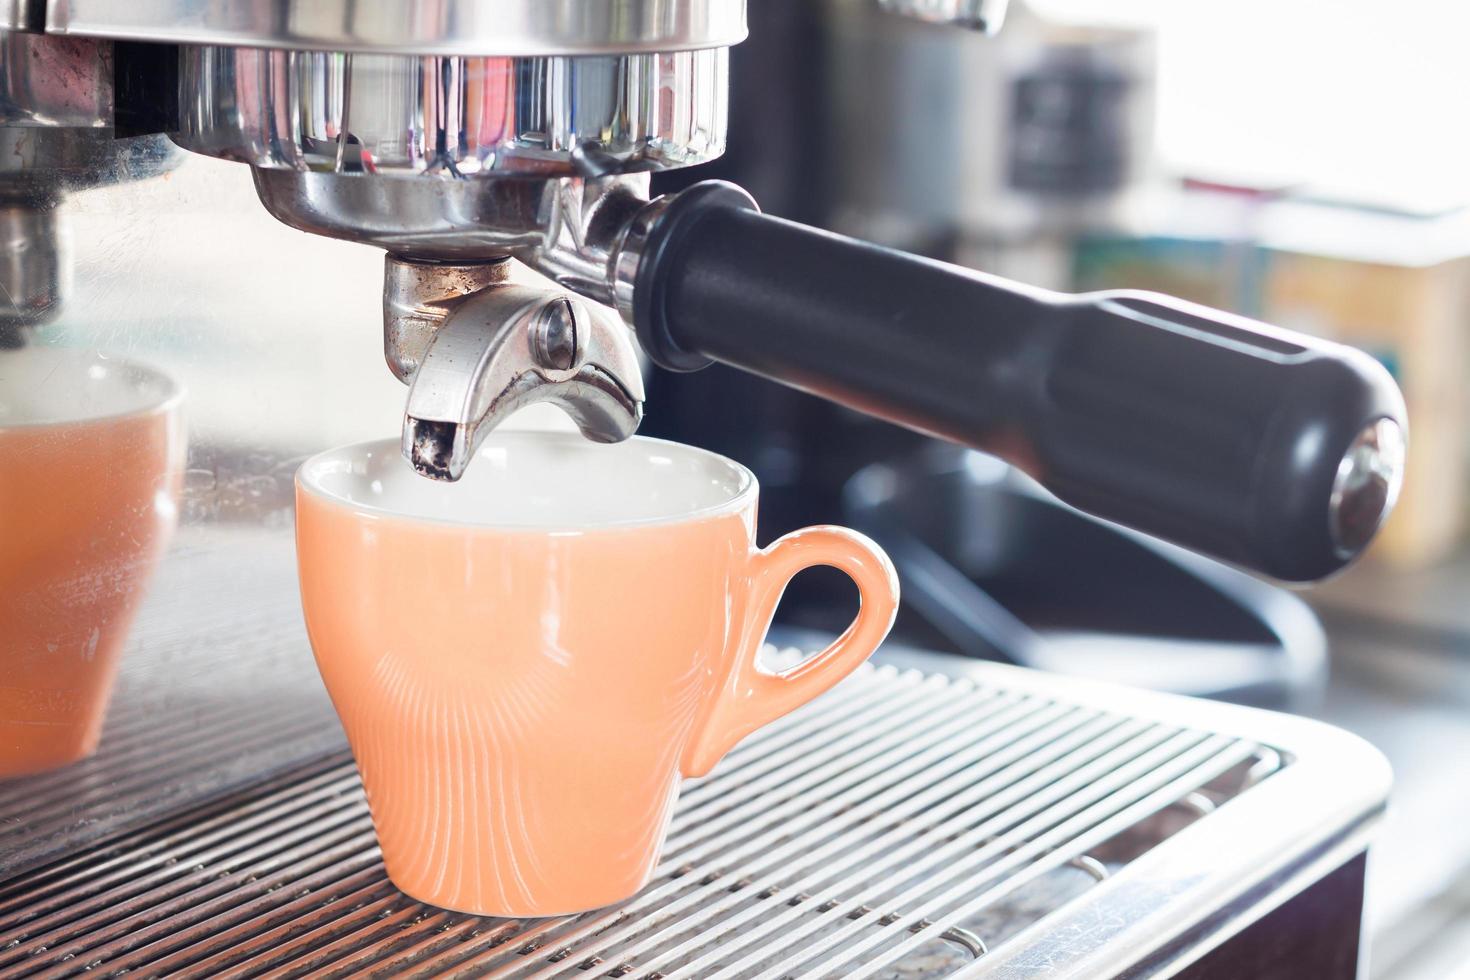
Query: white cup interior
x,y
55,386
538,480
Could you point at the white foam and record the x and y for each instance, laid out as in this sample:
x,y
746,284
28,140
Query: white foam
x,y
542,480
55,386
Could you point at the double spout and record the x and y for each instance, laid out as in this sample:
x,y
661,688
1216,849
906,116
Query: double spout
x,y
475,348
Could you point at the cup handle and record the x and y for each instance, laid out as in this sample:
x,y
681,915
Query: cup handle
x,y
752,696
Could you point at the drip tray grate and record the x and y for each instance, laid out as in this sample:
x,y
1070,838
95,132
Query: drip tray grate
x,y
902,826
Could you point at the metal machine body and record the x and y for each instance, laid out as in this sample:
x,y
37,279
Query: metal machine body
x,y
451,161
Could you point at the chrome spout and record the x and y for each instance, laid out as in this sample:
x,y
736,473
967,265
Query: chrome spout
x,y
489,353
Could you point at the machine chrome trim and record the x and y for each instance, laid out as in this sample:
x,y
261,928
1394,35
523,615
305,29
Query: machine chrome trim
x,y
1367,486
453,118
565,228
55,82
520,28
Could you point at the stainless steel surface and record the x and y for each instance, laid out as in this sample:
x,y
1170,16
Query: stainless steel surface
x,y
446,27
591,245
39,164
55,81
56,105
566,228
449,118
627,252
418,297
901,823
32,268
14,16
487,360
1367,486
475,351
979,15
554,338
447,221
205,702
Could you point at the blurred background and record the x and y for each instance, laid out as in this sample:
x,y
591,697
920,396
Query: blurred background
x,y
1302,161
1298,161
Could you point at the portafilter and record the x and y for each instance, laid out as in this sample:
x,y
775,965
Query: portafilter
x,y
461,137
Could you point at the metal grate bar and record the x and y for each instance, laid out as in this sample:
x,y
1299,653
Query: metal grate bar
x,y
342,957
192,759
80,879
176,920
1179,778
899,844
756,810
843,810
757,844
1042,795
849,703
420,953
1138,788
18,892
864,758
203,890
845,840
872,703
223,852
840,710
275,925
45,797
790,770
182,887
191,891
183,929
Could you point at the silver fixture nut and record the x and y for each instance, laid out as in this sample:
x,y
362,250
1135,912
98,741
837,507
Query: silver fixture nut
x,y
555,341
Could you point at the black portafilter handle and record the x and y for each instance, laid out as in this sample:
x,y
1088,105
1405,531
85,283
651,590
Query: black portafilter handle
x,y
1275,451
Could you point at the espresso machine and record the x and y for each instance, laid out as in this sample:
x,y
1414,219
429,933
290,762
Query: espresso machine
x,y
466,141
499,154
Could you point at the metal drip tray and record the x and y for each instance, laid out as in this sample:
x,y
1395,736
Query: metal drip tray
x,y
905,825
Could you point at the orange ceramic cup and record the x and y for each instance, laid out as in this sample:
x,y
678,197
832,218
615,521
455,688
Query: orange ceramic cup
x,y
528,661
91,454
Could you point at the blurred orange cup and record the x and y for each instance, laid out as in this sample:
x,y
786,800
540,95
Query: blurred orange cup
x,y
528,662
91,456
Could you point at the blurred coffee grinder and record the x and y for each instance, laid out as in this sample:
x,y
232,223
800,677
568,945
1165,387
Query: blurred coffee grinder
x,y
1000,150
